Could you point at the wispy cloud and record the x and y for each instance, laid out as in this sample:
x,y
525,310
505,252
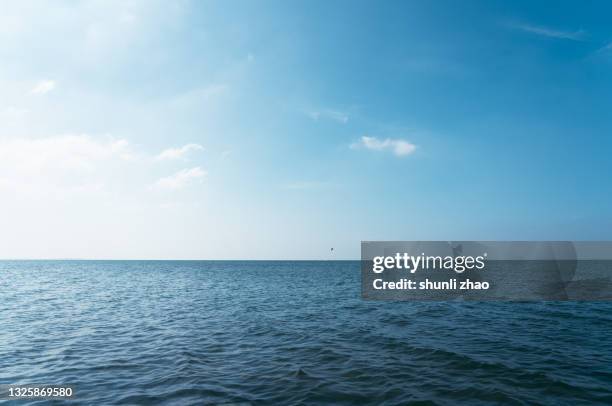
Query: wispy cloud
x,y
178,153
65,152
181,179
398,147
43,87
63,164
578,35
334,115
606,48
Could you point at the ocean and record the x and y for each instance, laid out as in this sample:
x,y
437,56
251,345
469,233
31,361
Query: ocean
x,y
286,333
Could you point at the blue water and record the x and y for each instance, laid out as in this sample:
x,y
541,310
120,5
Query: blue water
x,y
132,332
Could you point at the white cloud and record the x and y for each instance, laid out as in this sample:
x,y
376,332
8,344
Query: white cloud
x,y
64,152
180,179
60,165
44,86
398,147
334,115
551,33
178,153
81,164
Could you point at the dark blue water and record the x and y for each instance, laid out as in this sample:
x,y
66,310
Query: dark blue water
x,y
286,333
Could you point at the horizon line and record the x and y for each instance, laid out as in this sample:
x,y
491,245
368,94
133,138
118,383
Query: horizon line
x,y
157,259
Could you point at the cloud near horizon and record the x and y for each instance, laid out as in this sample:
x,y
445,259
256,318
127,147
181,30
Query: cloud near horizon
x,y
398,147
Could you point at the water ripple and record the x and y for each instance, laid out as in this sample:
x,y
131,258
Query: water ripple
x,y
250,333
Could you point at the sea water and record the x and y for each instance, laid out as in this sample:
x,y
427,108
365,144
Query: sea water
x,y
282,332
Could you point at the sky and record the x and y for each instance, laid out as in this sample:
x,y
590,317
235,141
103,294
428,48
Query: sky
x,y
277,130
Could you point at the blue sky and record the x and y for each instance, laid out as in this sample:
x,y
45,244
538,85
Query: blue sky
x,y
222,130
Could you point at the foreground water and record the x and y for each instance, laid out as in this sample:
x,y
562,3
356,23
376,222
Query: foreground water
x,y
201,332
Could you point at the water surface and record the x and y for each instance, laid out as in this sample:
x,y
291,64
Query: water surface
x,y
206,332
